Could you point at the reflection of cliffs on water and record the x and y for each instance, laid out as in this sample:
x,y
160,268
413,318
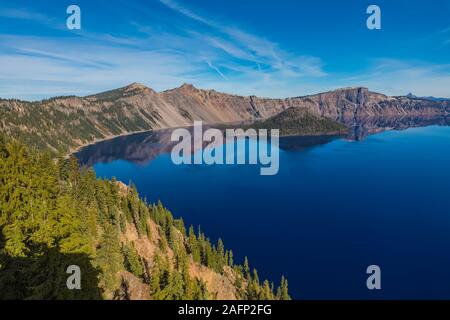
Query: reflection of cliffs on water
x,y
362,127
144,147
136,148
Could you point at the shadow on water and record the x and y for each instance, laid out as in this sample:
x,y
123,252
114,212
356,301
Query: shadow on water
x,y
42,275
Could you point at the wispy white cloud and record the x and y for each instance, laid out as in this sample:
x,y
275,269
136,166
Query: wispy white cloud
x,y
188,13
212,66
64,66
227,46
28,15
24,14
215,56
252,48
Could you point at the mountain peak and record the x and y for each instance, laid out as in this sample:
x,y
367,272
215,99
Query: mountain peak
x,y
187,86
429,98
129,90
360,88
136,86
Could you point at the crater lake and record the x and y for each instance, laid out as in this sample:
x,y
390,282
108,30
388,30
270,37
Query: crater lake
x,y
337,205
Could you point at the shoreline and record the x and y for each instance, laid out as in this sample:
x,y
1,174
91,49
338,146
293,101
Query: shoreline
x,y
222,126
95,141
331,133
75,150
72,151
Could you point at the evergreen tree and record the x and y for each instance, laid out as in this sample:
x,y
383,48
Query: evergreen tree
x,y
227,259
109,257
220,254
246,269
132,260
200,290
155,278
266,293
282,293
230,259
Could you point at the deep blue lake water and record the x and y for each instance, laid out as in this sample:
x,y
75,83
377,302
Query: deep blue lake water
x,y
335,207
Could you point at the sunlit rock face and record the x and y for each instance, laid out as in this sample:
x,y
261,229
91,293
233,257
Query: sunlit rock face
x,y
136,108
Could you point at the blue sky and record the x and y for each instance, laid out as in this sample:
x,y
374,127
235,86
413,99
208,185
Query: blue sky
x,y
267,48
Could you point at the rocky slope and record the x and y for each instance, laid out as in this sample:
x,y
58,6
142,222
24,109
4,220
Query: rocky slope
x,y
219,286
66,123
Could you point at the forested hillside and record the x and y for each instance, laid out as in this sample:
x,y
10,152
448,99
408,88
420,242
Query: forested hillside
x,y
297,121
52,215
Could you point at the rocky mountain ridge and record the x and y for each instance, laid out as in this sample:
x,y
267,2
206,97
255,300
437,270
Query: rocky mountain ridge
x,y
66,123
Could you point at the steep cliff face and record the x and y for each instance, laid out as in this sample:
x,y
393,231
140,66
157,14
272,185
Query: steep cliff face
x,y
65,123
360,102
216,107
